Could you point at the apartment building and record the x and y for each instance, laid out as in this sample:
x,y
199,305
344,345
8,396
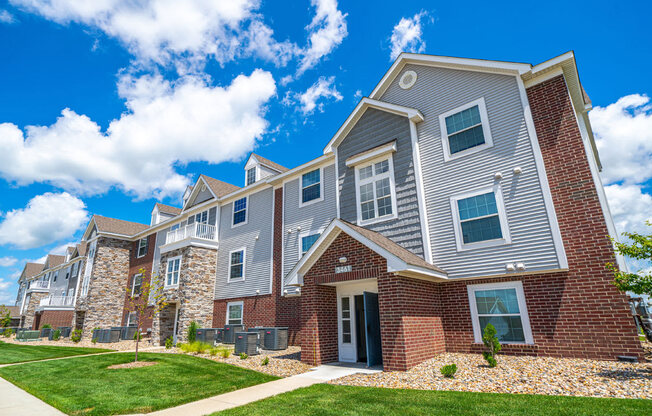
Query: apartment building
x,y
461,192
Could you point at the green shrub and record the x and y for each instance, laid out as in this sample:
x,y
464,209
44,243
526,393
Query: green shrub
x,y
201,347
213,351
56,335
76,335
224,352
46,326
192,331
448,370
492,345
168,343
184,347
137,336
7,332
265,361
243,356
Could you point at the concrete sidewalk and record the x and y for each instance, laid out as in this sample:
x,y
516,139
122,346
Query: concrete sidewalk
x,y
251,394
16,401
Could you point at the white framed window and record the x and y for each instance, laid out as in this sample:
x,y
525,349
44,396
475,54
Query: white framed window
x,y
172,272
306,240
240,211
132,318
479,219
136,284
346,319
142,247
465,130
375,191
237,264
234,313
312,187
503,306
175,226
201,217
251,176
75,269
55,276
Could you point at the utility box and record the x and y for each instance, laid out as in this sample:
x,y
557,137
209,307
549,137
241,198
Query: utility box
x,y
260,330
229,333
207,335
46,332
276,338
219,335
108,335
65,331
246,342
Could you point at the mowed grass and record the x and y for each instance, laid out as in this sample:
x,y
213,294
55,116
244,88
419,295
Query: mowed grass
x,y
327,400
85,386
13,353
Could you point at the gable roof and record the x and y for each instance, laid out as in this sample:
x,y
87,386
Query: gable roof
x,y
364,104
219,188
32,269
14,311
54,260
81,249
263,161
168,209
399,259
116,226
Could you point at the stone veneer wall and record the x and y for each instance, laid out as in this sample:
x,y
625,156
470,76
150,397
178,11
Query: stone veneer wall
x,y
193,296
34,300
106,293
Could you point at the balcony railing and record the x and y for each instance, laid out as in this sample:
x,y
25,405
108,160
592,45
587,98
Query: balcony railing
x,y
39,284
57,301
196,230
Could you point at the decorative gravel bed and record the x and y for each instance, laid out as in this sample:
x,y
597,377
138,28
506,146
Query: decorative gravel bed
x,y
283,363
126,345
530,375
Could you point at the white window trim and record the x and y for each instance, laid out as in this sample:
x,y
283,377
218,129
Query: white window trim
x,y
138,256
133,283
246,212
129,318
502,216
321,188
256,175
486,131
392,188
306,234
166,286
244,265
228,306
520,296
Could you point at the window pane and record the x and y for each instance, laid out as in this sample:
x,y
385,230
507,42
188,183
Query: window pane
x,y
236,271
481,230
239,217
236,257
310,193
235,312
251,176
477,206
382,167
240,204
346,331
367,192
346,308
382,188
307,242
176,265
466,139
462,120
366,172
384,206
310,178
500,301
508,328
367,210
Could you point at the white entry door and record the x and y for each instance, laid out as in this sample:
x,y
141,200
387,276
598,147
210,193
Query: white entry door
x,y
346,327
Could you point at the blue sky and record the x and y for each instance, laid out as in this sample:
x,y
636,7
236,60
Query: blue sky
x,y
134,99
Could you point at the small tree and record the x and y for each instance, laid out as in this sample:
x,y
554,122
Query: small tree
x,y
150,290
5,316
640,248
492,345
192,332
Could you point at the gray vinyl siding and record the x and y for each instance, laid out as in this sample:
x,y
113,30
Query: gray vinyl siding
x,y
438,90
56,288
258,258
375,128
160,241
264,172
311,218
202,196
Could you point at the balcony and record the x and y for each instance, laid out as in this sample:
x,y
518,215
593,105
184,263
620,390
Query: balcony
x,y
197,234
39,284
57,301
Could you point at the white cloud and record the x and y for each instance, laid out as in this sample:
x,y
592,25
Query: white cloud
x,y
46,219
406,36
357,95
326,31
260,42
623,133
630,207
167,123
7,261
4,284
6,17
324,88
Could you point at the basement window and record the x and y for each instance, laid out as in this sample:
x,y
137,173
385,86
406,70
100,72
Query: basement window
x,y
234,313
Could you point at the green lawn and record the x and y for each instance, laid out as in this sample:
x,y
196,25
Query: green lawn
x,y
85,386
12,353
326,400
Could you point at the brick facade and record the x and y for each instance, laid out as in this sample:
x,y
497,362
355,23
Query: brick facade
x,y
56,318
136,265
104,302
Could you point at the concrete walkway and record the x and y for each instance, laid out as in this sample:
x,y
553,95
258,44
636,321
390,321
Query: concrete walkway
x,y
251,394
16,401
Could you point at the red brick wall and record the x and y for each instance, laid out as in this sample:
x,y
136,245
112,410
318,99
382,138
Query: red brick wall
x,y
257,311
56,318
135,265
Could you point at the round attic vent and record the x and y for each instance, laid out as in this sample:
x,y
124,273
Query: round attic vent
x,y
203,188
408,79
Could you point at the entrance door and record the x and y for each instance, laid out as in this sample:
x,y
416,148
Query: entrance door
x,y
347,352
372,323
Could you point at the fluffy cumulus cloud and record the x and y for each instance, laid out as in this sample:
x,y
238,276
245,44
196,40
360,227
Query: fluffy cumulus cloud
x,y
623,133
167,123
46,219
313,98
406,35
7,261
326,31
6,17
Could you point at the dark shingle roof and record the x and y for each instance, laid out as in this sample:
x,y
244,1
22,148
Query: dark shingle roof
x,y
32,269
116,226
269,163
168,209
55,260
218,187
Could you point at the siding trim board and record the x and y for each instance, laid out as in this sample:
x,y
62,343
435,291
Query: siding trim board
x,y
418,177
